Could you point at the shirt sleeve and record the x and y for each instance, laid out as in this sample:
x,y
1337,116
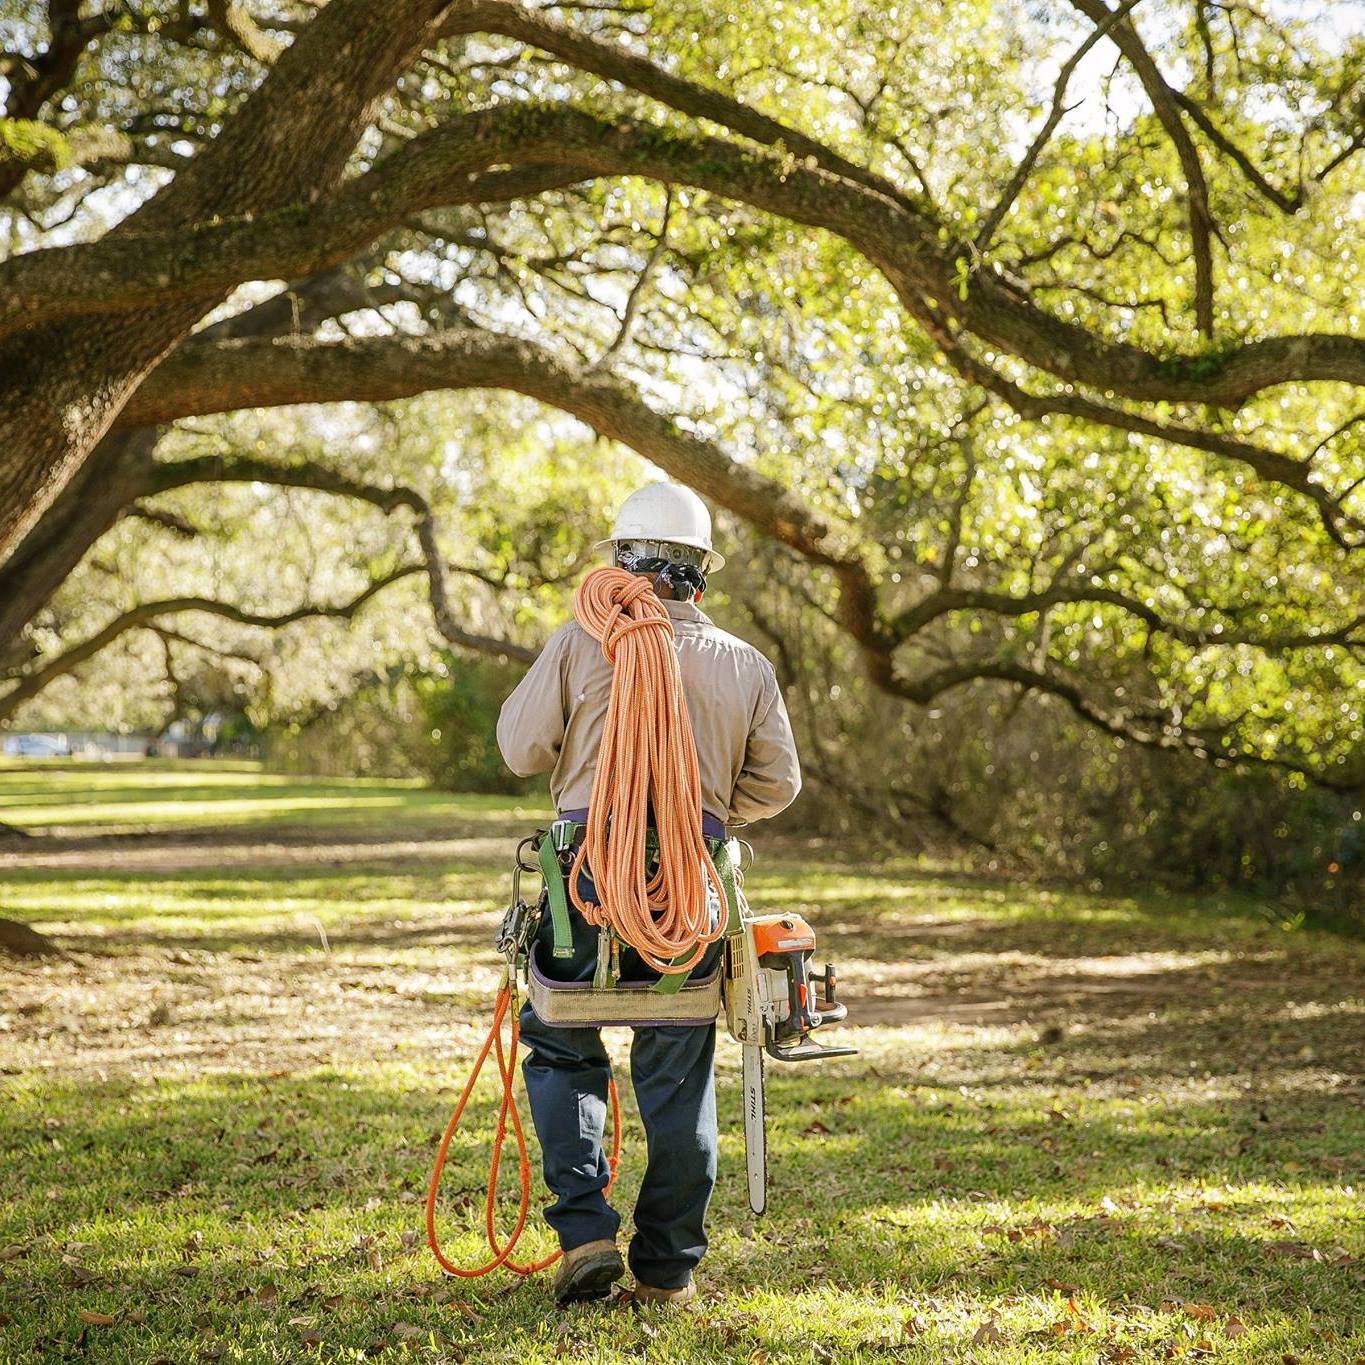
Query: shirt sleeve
x,y
771,777
532,720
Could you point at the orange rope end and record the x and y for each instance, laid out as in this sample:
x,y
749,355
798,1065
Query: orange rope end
x,y
507,1110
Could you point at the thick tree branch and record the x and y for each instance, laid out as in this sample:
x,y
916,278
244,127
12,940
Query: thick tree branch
x,y
288,143
231,375
562,145
200,378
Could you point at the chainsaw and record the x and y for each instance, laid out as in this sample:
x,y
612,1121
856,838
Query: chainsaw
x,y
768,987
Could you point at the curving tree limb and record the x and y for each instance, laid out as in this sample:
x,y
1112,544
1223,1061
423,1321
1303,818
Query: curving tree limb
x,y
147,614
1167,109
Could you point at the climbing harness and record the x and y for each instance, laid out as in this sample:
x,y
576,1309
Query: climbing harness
x,y
667,884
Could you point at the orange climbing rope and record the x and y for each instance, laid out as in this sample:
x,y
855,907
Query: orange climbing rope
x,y
646,773
507,1059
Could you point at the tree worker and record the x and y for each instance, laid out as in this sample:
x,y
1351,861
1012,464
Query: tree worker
x,y
553,722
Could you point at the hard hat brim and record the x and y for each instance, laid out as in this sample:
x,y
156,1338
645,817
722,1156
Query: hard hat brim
x,y
716,560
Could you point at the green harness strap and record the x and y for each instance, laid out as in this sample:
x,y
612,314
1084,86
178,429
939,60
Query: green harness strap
x,y
552,872
725,867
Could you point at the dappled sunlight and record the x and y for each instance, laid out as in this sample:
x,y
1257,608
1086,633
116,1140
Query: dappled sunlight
x,y
1064,1124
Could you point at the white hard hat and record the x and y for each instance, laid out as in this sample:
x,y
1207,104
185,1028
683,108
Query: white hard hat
x,y
667,512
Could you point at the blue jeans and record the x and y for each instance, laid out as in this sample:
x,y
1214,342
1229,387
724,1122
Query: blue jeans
x,y
566,1073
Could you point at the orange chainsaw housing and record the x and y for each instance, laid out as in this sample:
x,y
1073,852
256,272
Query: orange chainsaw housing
x,y
782,934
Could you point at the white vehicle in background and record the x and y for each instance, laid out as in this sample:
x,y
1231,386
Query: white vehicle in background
x,y
37,746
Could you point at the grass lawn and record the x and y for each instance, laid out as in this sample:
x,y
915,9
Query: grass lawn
x,y
1080,1128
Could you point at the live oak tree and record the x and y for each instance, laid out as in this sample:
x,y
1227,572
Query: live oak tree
x,y
1021,331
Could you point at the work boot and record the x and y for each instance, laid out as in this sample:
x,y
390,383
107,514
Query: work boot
x,y
646,1295
588,1272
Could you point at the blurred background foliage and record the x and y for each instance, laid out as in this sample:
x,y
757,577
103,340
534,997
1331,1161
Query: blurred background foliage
x,y
789,349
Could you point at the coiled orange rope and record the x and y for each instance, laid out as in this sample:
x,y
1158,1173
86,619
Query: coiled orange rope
x,y
507,1060
646,771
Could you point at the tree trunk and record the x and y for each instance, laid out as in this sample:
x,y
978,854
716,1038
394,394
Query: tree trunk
x,y
64,383
113,477
22,941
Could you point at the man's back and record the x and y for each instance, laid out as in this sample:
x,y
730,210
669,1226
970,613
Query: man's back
x,y
553,720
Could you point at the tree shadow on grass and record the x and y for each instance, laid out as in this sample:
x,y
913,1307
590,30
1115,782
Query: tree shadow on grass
x,y
867,1183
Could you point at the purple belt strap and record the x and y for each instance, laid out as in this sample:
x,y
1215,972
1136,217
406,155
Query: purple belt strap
x,y
711,827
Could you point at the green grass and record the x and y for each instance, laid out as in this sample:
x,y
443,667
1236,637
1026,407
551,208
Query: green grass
x,y
1080,1128
54,796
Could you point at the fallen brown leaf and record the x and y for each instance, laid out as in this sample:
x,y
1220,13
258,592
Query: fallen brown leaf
x,y
96,1319
988,1333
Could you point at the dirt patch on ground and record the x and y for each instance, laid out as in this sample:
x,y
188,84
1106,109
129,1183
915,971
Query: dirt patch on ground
x,y
146,996
194,850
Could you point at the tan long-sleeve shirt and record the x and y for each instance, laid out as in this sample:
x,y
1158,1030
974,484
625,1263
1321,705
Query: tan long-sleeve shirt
x,y
553,720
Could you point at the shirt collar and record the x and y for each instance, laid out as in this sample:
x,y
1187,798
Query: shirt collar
x,y
687,611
